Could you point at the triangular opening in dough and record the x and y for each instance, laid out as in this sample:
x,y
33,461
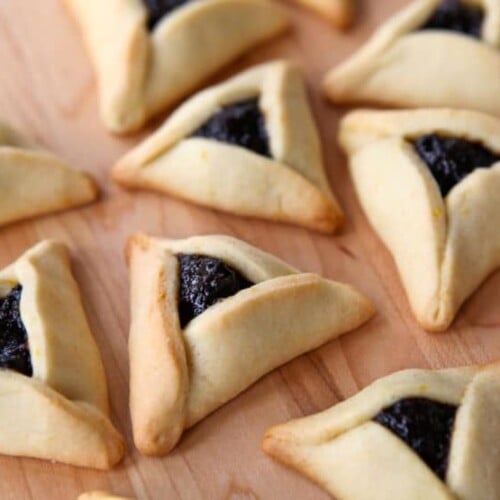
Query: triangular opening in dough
x,y
434,53
163,50
425,425
445,417
450,159
240,123
183,369
53,393
203,282
247,146
402,163
457,16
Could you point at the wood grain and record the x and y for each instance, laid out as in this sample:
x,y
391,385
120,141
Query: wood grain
x,y
47,90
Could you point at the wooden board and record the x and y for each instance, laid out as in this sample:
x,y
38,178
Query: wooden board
x,y
47,89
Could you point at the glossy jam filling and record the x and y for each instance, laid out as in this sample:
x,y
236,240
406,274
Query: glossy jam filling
x,y
424,425
158,9
456,15
14,349
241,124
451,159
203,282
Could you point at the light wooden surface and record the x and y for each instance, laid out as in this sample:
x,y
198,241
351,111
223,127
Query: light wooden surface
x,y
47,90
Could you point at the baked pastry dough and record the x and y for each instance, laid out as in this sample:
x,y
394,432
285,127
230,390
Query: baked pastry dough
x,y
35,182
140,73
265,159
340,13
404,65
350,447
53,395
101,495
191,352
444,248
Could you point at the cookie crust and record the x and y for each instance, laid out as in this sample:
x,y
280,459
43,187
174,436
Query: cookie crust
x,y
340,13
346,453
289,187
62,412
443,248
101,495
141,73
180,376
406,68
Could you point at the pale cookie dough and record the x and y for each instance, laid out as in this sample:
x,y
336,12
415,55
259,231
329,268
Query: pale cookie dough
x,y
444,248
35,182
101,495
58,409
182,369
286,184
404,66
354,456
142,72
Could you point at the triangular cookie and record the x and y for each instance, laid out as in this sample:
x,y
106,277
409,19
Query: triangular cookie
x,y
434,53
411,173
340,13
248,146
149,54
210,316
414,434
35,182
53,394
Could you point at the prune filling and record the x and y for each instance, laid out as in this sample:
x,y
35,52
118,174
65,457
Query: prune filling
x,y
14,349
203,282
158,9
241,124
424,425
451,159
454,15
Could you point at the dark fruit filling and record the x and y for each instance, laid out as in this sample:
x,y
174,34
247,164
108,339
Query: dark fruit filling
x,y
451,160
14,349
424,425
159,8
203,282
241,124
454,15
